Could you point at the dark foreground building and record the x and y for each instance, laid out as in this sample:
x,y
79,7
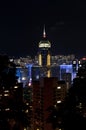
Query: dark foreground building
x,y
48,93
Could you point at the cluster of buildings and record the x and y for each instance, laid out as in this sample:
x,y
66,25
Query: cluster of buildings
x,y
64,67
46,80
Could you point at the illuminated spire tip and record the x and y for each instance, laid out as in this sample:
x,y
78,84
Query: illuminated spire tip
x,y
44,33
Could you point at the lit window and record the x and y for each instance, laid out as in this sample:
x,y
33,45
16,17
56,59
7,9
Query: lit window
x,y
79,62
80,65
11,60
59,101
29,84
59,87
6,94
15,86
26,111
27,103
23,78
74,62
7,109
6,91
37,76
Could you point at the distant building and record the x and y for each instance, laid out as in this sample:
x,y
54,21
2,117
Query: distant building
x,y
55,71
35,73
24,74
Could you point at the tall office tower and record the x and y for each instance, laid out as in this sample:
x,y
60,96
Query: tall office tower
x,y
44,56
48,93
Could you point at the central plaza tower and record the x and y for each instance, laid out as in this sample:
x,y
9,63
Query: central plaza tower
x,y
44,56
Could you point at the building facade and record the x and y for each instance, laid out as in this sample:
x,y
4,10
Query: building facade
x,y
47,93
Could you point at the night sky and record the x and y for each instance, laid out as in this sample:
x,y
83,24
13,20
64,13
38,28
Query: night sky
x,y
21,26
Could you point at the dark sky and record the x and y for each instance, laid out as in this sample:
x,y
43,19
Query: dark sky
x,y
21,26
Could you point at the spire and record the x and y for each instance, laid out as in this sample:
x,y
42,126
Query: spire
x,y
44,33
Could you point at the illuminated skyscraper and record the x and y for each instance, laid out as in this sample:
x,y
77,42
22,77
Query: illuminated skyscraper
x,y
44,55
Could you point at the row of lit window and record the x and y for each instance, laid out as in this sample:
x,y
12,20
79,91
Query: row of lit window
x,y
6,109
6,92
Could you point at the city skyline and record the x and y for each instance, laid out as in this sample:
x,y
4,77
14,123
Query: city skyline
x,y
21,27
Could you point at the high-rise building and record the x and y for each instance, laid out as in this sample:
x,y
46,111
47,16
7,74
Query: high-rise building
x,y
44,56
47,93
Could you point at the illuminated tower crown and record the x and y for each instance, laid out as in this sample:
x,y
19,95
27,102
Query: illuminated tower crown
x,y
44,53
